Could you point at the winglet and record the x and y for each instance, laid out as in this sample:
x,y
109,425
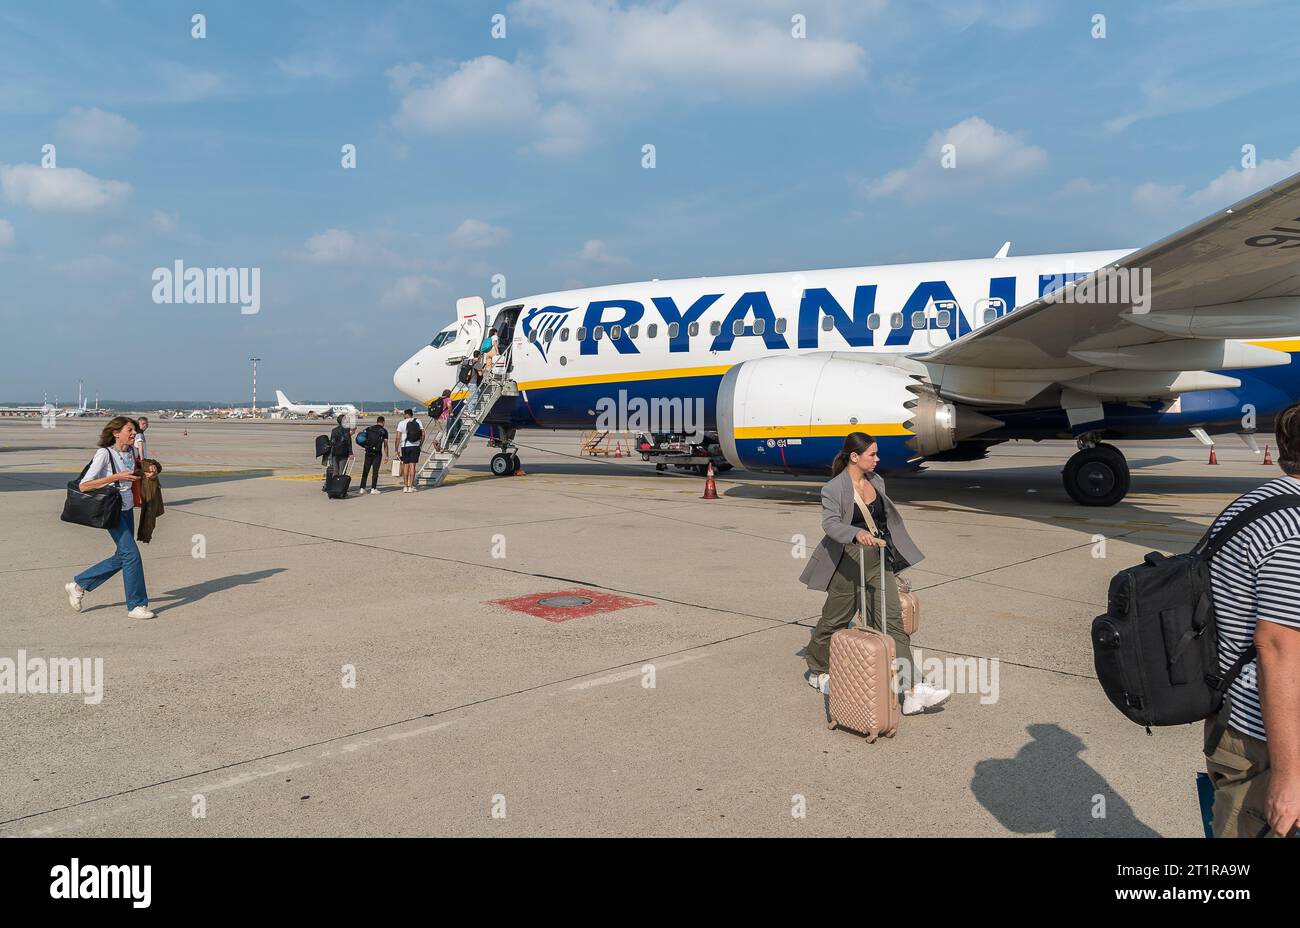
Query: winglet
x,y
1002,252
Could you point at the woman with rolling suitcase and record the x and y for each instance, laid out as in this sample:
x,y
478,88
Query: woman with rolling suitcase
x,y
859,520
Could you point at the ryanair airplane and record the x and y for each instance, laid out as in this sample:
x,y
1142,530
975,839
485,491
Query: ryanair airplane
x,y
938,361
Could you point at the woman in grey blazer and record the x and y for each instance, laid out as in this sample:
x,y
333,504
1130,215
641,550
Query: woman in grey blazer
x,y
857,516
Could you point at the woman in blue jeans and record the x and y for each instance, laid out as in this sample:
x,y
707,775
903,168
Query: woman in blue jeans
x,y
114,463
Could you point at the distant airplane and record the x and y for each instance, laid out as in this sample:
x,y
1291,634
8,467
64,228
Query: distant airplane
x,y
324,409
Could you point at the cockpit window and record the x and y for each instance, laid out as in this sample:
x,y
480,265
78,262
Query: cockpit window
x,y
442,338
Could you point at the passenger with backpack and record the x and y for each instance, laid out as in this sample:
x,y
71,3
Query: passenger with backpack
x,y
409,439
859,519
1213,636
374,439
340,449
439,416
489,348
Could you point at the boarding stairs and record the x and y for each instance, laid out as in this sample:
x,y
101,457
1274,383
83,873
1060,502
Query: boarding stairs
x,y
461,427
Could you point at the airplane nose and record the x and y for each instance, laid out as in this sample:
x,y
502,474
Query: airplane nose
x,y
407,379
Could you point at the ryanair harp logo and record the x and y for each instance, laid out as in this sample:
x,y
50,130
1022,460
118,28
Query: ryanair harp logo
x,y
541,324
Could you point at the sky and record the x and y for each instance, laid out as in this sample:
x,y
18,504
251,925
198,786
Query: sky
x,y
509,138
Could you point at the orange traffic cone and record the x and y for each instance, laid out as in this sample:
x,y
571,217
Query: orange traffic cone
x,y
519,471
185,433
1268,455
1213,459
710,488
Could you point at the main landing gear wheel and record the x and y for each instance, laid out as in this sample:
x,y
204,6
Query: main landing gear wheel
x,y
1097,476
504,464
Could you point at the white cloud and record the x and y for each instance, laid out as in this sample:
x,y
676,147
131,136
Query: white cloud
x,y
408,290
1237,183
95,128
167,222
983,154
596,251
703,49
475,233
564,130
58,188
484,92
339,246
1157,198
6,233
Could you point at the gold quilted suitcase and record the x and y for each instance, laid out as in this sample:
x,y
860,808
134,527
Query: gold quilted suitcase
x,y
911,607
862,695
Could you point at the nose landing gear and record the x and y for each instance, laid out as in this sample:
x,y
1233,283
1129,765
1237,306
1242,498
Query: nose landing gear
x,y
1097,474
507,462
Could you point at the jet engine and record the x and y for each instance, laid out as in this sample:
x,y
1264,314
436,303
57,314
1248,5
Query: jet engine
x,y
792,413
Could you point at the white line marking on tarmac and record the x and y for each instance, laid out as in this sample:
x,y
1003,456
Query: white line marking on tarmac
x,y
633,672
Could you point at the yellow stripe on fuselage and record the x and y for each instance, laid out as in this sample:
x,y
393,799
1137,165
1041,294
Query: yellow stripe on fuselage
x,y
1289,345
665,374
820,431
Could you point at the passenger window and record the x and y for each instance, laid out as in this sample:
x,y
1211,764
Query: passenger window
x,y
896,321
827,323
615,332
693,329
598,332
945,318
673,329
918,319
564,335
715,327
873,321
737,326
581,334
990,314
651,330
759,326
780,326
632,331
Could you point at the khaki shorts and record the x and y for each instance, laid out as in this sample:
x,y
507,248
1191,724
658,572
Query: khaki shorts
x,y
1239,770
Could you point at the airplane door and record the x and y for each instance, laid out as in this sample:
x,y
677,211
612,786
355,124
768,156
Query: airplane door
x,y
471,313
989,309
935,319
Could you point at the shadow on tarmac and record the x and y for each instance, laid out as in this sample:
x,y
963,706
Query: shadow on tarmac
x,y
45,480
187,595
1048,788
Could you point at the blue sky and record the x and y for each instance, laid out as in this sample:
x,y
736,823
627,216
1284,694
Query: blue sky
x,y
522,156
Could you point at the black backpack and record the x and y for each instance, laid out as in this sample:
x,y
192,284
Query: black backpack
x,y
339,442
414,434
374,439
436,409
466,372
322,445
1156,650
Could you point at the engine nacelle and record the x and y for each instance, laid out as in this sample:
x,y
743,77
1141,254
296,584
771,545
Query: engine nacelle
x,y
792,413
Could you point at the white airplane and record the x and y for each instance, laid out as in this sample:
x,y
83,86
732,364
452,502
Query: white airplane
x,y
323,410
937,361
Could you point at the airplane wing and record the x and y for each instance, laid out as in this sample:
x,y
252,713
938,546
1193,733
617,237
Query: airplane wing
x,y
1250,251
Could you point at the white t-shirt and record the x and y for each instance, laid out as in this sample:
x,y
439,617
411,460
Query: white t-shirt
x,y
141,445
401,430
109,461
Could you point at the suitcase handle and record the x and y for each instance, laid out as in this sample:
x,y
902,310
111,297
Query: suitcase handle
x,y
862,589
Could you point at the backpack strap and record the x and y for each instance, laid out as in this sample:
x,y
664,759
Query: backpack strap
x,y
1208,547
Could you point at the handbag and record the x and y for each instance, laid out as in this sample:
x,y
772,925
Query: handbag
x,y
100,508
397,467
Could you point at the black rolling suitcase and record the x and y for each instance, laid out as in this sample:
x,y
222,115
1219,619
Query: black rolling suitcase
x,y
336,484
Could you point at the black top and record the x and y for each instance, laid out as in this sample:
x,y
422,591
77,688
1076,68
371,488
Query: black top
x,y
877,508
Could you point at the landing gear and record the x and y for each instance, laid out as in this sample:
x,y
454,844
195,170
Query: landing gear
x,y
1097,475
504,464
507,462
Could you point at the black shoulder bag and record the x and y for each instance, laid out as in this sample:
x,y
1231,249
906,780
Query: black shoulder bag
x,y
97,508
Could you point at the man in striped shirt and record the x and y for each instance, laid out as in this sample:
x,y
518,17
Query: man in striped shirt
x,y
1255,578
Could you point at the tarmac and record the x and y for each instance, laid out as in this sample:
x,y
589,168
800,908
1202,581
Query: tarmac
x,y
681,712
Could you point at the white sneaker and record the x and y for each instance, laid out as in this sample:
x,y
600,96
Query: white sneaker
x,y
912,704
819,681
139,612
930,696
373,491
74,595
